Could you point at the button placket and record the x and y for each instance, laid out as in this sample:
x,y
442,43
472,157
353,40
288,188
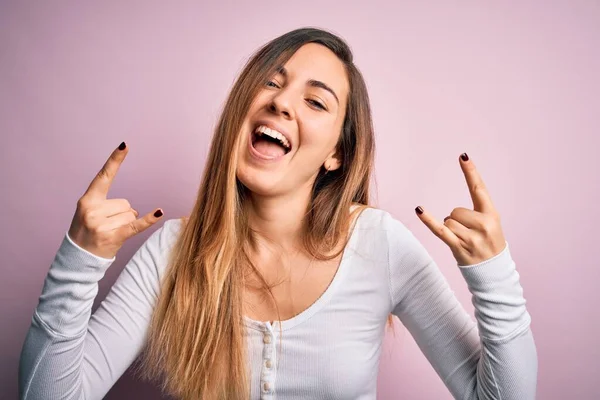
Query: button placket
x,y
267,381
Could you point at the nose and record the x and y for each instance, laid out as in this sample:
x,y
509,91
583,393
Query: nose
x,y
281,103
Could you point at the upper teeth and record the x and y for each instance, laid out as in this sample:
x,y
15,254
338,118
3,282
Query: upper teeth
x,y
272,133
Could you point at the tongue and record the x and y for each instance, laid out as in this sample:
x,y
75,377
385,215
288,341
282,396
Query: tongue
x,y
268,148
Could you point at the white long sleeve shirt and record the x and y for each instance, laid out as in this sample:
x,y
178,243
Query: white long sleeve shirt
x,y
329,351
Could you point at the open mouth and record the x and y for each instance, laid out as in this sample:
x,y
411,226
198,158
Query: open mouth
x,y
270,143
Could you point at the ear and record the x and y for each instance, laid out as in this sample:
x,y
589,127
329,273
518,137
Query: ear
x,y
332,162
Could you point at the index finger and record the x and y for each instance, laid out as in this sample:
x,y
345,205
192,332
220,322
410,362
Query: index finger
x,y
104,178
482,201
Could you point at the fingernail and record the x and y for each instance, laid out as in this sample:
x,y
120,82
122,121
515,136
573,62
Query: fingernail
x,y
122,146
158,213
419,210
464,157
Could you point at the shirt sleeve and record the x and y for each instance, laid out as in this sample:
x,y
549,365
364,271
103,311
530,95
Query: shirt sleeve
x,y
492,358
70,353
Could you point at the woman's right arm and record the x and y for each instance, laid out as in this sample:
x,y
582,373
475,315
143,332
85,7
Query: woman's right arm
x,y
67,354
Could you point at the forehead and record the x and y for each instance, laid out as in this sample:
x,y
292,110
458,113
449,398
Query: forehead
x,y
315,61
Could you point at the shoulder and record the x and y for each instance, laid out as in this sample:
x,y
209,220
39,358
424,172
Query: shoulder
x,y
166,233
382,226
161,241
376,219
172,227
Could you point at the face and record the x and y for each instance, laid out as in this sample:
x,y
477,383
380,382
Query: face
x,y
305,103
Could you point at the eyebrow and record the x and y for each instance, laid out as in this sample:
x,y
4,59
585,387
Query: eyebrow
x,y
313,83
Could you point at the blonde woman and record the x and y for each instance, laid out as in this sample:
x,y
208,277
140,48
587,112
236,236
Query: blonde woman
x,y
280,282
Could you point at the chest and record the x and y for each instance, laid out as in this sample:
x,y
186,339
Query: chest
x,y
331,350
294,288
331,354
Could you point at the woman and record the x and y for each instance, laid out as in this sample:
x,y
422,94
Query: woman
x,y
280,282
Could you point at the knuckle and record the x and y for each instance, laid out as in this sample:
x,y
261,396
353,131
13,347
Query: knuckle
x,y
92,212
87,219
485,231
478,241
126,203
440,231
131,216
83,203
470,241
488,224
134,228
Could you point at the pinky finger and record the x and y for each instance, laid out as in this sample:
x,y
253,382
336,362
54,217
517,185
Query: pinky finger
x,y
139,225
438,229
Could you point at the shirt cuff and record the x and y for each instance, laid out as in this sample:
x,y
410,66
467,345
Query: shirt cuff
x,y
489,260
91,254
497,296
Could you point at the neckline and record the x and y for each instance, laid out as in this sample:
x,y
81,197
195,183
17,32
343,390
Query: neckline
x,y
320,302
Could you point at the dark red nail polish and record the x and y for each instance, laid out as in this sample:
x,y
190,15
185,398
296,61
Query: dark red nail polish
x,y
464,157
419,210
158,213
122,146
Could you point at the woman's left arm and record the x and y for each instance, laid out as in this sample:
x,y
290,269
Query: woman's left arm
x,y
495,358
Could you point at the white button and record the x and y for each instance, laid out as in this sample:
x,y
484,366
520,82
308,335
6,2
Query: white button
x,y
268,363
266,386
267,339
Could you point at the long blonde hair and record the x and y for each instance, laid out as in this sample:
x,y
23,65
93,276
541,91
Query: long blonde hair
x,y
196,342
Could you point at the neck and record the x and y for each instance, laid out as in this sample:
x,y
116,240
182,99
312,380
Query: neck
x,y
279,219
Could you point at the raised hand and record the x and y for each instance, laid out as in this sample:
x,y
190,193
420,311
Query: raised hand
x,y
472,235
101,226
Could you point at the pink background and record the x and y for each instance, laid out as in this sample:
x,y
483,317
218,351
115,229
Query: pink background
x,y
515,85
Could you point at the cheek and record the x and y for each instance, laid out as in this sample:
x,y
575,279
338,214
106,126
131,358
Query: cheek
x,y
260,101
319,136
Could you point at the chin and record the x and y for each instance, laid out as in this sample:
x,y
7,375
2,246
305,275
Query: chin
x,y
258,182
